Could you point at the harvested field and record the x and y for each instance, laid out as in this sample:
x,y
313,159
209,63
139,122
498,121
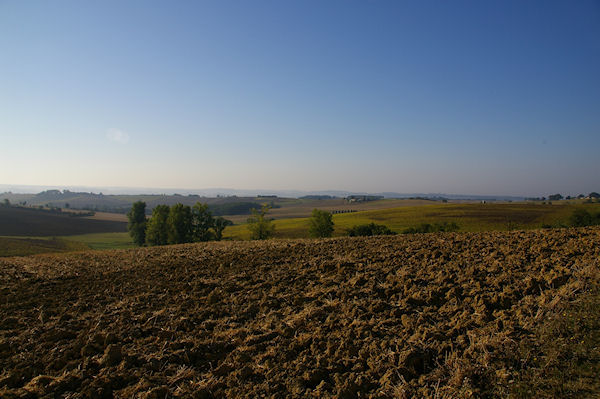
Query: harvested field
x,y
435,315
22,221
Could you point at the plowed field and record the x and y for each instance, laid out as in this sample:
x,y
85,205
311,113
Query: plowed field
x,y
435,315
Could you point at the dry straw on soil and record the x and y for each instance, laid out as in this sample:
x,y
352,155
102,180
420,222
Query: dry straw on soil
x,y
437,315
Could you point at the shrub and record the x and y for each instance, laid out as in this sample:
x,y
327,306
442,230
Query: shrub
x,y
582,218
321,224
370,229
432,228
260,227
219,225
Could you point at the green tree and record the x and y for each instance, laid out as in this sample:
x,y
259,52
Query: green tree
x,y
219,226
259,225
157,232
370,229
180,224
202,223
320,224
137,222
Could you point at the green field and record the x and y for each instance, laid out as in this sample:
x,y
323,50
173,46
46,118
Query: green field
x,y
23,246
103,240
469,217
302,208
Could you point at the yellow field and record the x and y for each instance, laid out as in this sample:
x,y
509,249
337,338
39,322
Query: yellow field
x,y
303,208
469,217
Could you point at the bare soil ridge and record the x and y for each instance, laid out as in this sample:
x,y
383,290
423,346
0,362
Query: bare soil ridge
x,y
436,315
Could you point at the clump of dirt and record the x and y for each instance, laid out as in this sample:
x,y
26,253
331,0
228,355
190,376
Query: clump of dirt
x,y
405,316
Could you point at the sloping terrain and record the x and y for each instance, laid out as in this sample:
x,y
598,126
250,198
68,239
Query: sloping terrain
x,y
435,315
22,221
13,246
469,217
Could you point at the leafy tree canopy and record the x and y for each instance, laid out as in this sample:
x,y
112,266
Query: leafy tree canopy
x,y
180,224
259,225
320,224
158,227
202,222
137,222
370,229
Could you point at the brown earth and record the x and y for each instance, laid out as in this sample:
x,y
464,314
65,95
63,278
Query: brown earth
x,y
435,315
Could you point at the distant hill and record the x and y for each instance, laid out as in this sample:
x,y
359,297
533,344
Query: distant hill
x,y
318,197
122,203
229,204
232,193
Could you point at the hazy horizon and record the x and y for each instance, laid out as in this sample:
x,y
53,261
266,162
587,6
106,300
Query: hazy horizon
x,y
216,191
460,98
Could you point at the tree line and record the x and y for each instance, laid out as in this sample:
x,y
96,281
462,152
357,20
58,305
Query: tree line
x,y
183,224
320,225
175,224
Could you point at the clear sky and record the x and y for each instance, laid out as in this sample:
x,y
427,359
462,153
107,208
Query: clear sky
x,y
474,97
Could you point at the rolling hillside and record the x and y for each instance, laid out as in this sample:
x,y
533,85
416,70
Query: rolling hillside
x,y
470,217
16,246
22,221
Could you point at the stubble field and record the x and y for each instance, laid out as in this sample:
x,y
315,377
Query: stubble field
x,y
495,314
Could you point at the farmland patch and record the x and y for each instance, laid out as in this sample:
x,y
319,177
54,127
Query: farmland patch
x,y
432,315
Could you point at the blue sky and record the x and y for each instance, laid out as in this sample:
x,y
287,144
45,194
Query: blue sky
x,y
457,97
